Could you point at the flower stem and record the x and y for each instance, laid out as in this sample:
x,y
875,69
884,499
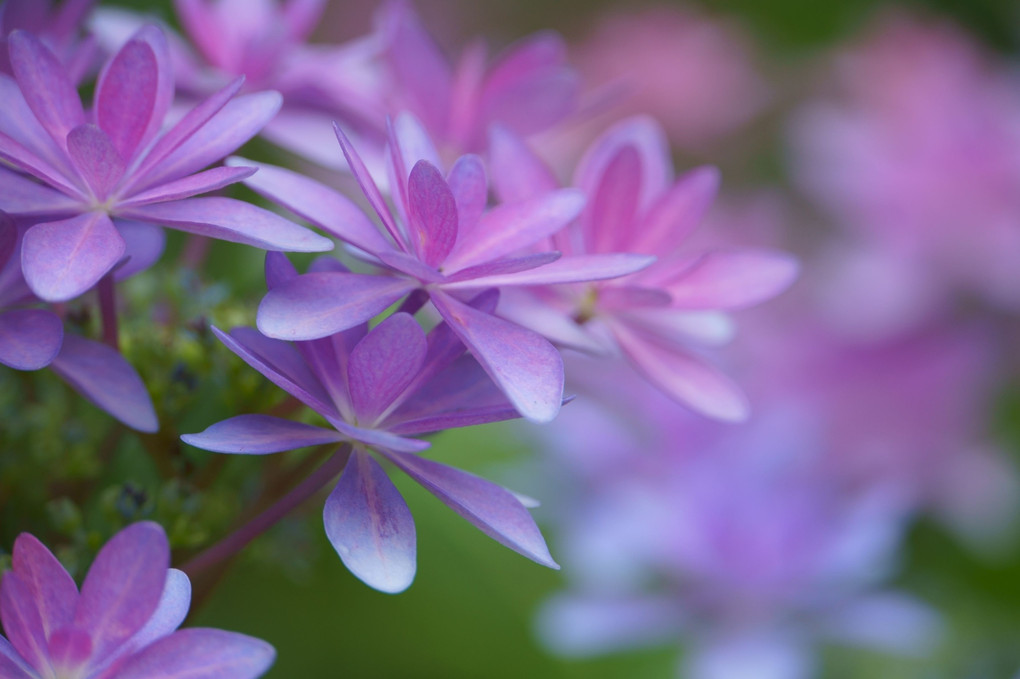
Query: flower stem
x,y
240,538
108,308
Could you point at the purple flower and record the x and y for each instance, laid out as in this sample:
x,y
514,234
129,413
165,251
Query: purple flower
x,y
121,625
441,240
58,28
33,338
376,388
92,172
657,316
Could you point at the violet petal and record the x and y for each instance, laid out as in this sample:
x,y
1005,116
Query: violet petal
x,y
259,435
29,338
51,586
200,653
384,363
21,621
45,85
63,259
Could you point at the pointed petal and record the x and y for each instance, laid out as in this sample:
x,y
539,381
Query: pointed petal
x,y
503,267
279,269
320,304
101,375
470,189
24,197
96,158
517,171
259,435
412,143
51,587
733,280
510,227
525,365
12,665
45,85
613,207
27,161
124,585
200,653
63,259
192,185
20,124
370,526
317,203
380,440
231,220
368,186
563,270
22,623
433,213
384,363
126,96
493,509
29,338
677,212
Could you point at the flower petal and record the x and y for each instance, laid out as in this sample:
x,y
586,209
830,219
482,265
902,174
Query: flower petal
x,y
384,363
470,189
21,621
200,653
517,171
609,218
144,244
12,665
22,196
676,213
320,304
45,85
97,160
51,587
493,509
432,213
63,259
368,186
171,610
192,185
370,526
259,435
29,338
100,374
732,280
563,270
126,96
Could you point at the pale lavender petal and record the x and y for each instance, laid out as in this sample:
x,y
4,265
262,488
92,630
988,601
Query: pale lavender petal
x,y
259,435
683,377
513,226
45,85
320,304
470,189
504,267
200,653
609,218
759,654
231,220
192,185
317,203
171,610
101,375
384,363
126,96
63,259
576,626
124,585
368,185
732,280
525,365
409,265
26,160
432,213
95,158
21,621
564,270
12,666
710,328
677,213
370,526
627,297
18,121
493,509
412,144
517,171
29,338
50,586
22,196
144,244
279,362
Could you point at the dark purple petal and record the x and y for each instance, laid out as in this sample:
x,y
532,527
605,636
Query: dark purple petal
x,y
513,226
124,585
320,304
101,375
144,245
45,85
384,363
370,526
609,218
22,623
8,238
200,653
126,96
563,270
368,186
433,213
231,220
470,189
52,589
63,259
493,509
732,280
525,365
259,435
96,158
192,185
317,203
29,338
517,172
12,665
22,196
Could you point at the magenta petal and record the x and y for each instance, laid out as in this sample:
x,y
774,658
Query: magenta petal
x,y
320,304
370,526
22,196
232,220
645,136
384,363
677,213
470,189
433,213
493,509
525,365
69,648
317,203
564,270
45,85
52,589
513,226
126,96
124,585
259,435
609,219
192,185
200,653
12,665
731,280
63,259
22,623
101,375
29,338
96,159
517,171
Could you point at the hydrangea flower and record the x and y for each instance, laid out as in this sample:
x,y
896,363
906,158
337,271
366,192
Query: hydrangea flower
x,y
120,625
441,240
90,173
656,317
58,27
32,338
376,389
